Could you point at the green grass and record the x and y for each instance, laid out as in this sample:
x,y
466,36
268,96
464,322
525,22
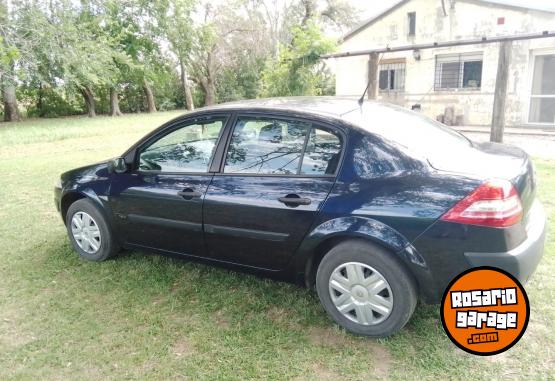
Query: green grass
x,y
142,316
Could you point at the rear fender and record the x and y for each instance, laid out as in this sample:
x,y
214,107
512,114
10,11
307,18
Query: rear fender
x,y
332,231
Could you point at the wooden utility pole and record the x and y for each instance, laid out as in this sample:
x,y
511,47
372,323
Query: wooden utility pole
x,y
498,115
373,61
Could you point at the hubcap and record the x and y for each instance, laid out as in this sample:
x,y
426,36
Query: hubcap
x,y
86,233
361,293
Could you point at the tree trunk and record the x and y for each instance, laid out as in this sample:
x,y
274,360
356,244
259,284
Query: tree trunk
x,y
11,112
89,101
189,104
150,105
114,103
209,92
39,102
309,8
209,83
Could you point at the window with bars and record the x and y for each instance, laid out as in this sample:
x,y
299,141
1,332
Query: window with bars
x,y
458,71
392,77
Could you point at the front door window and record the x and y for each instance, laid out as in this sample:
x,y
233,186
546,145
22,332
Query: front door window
x,y
188,149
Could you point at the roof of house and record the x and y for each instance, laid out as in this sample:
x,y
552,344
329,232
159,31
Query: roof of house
x,y
536,5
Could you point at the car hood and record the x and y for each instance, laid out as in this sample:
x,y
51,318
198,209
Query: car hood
x,y
87,173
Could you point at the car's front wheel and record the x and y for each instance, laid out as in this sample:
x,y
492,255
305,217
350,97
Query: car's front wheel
x,y
89,231
365,290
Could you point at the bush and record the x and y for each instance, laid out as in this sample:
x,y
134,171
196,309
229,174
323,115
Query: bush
x,y
49,102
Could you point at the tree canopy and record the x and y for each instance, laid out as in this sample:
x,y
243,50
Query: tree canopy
x,y
64,57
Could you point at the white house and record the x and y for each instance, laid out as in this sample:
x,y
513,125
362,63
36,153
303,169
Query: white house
x,y
461,77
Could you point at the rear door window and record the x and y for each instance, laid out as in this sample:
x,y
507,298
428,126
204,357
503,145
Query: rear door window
x,y
322,153
269,146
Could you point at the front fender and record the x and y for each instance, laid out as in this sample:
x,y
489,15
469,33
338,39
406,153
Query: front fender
x,y
74,193
356,227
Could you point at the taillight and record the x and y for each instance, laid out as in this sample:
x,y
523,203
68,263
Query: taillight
x,y
495,203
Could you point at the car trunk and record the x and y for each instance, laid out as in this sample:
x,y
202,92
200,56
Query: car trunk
x,y
492,160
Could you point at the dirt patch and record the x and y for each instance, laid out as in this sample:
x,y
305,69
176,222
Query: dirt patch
x,y
222,320
382,360
282,317
320,373
327,336
175,287
183,348
11,334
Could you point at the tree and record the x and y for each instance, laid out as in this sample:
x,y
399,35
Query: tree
x,y
8,56
123,24
298,69
175,24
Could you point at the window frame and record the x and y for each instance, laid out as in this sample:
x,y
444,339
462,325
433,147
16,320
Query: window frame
x,y
395,66
174,126
460,59
411,21
286,118
531,96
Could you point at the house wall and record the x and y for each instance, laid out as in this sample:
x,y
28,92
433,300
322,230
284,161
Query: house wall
x,y
466,19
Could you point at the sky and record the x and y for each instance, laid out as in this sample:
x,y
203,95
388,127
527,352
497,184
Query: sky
x,y
371,8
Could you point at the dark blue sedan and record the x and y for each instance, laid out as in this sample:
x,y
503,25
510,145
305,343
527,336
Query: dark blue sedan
x,y
372,205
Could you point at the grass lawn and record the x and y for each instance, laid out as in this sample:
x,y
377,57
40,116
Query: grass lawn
x,y
143,316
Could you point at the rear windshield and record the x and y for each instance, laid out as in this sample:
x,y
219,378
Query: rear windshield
x,y
417,133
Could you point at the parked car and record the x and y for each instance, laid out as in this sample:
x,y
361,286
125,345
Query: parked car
x,y
373,205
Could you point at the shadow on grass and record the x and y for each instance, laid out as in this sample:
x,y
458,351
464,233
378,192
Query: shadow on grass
x,y
187,285
216,310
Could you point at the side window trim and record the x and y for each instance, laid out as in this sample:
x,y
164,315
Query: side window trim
x,y
230,127
176,125
342,141
303,151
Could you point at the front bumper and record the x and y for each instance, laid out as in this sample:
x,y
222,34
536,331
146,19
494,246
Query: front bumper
x,y
523,259
58,198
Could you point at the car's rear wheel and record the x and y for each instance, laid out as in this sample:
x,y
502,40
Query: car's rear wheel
x,y
89,231
365,290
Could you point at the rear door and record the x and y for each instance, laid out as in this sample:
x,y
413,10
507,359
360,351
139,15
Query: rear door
x,y
275,175
158,204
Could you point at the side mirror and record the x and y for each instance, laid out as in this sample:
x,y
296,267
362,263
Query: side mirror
x,y
118,165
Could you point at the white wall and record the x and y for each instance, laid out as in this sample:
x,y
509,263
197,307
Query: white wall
x,y
466,19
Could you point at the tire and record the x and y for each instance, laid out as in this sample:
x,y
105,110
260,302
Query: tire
x,y
371,307
98,244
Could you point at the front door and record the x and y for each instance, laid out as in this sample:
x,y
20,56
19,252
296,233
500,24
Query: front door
x,y
159,203
276,176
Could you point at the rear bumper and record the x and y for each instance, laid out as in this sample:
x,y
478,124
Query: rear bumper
x,y
523,259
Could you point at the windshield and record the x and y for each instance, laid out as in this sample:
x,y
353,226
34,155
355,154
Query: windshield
x,y
414,131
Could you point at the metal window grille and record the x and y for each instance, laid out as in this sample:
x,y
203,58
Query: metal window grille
x,y
458,71
392,77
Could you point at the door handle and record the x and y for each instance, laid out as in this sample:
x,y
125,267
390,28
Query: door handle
x,y
294,200
189,193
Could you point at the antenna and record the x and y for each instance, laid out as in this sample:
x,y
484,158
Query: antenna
x,y
361,99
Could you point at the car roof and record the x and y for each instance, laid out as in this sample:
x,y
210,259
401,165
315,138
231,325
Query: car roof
x,y
318,105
